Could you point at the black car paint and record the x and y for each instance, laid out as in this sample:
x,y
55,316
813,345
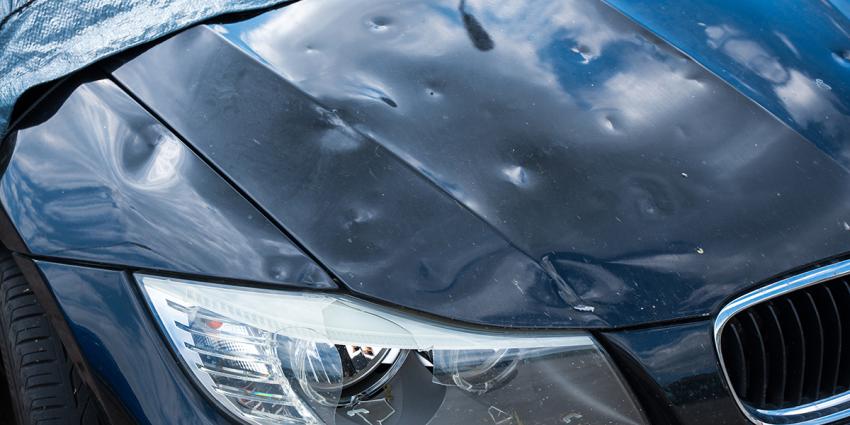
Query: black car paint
x,y
674,372
132,361
499,187
91,176
455,182
791,57
128,360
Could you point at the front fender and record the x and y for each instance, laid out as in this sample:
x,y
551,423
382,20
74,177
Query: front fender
x,y
92,177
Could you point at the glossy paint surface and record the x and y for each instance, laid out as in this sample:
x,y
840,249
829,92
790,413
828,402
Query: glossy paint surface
x,y
677,363
114,332
93,177
792,57
544,164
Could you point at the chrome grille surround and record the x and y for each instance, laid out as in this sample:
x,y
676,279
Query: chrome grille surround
x,y
823,411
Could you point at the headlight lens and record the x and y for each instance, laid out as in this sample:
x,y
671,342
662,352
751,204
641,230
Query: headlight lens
x,y
278,357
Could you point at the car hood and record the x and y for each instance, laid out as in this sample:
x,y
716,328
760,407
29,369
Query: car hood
x,y
528,164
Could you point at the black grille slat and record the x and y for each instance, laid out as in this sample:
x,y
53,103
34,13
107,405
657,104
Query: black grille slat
x,y
797,354
756,358
842,297
734,350
814,348
777,375
832,341
790,350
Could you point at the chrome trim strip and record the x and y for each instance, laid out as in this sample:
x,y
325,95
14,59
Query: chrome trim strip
x,y
761,295
812,407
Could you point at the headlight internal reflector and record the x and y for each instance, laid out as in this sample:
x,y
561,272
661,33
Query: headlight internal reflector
x,y
280,357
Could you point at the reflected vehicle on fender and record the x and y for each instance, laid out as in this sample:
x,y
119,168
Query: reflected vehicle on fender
x,y
381,213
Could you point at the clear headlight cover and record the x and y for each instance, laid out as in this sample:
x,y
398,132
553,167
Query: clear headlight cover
x,y
279,357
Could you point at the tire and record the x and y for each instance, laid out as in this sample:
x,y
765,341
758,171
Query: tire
x,y
44,385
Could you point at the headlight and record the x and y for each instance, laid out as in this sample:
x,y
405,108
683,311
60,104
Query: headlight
x,y
277,357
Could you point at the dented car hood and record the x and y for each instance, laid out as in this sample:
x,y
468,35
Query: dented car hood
x,y
526,164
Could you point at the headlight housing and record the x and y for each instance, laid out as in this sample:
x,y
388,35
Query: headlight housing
x,y
280,357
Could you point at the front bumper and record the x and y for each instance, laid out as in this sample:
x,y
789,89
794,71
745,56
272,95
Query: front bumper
x,y
672,369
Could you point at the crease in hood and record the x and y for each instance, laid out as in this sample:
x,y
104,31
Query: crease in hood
x,y
531,164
